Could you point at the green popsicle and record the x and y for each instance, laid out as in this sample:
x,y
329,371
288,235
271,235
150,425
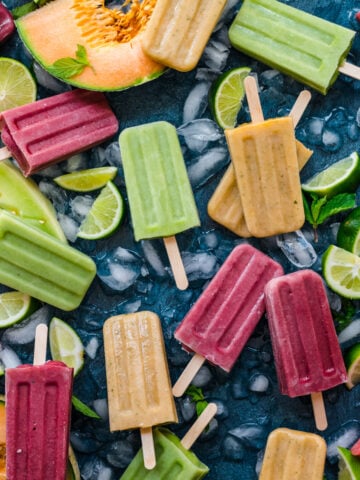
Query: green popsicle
x,y
308,48
45,268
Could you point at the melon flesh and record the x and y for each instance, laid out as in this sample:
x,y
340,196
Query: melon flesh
x,y
55,30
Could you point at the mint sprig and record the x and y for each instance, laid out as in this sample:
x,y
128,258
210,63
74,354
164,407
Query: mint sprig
x,y
197,396
320,209
68,67
82,408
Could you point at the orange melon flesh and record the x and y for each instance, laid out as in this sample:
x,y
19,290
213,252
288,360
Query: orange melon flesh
x,y
55,30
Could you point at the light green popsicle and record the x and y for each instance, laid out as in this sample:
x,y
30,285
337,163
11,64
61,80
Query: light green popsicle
x,y
160,196
35,263
294,42
173,461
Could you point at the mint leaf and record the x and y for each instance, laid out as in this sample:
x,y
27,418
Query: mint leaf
x,y
68,67
23,10
82,408
195,393
337,204
200,407
316,206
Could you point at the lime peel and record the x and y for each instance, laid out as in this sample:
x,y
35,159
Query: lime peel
x,y
341,271
349,466
66,345
14,307
86,180
17,86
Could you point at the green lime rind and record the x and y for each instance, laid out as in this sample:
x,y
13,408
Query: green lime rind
x,y
352,362
348,236
352,355
105,214
17,85
226,96
341,270
349,465
14,307
87,180
341,177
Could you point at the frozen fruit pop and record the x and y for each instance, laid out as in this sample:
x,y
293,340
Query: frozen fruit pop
x,y
7,25
174,460
178,31
160,196
42,266
264,157
138,382
221,321
293,454
308,48
225,205
38,409
307,355
42,133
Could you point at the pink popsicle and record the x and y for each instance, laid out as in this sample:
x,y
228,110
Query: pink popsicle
x,y
52,129
38,406
307,354
7,25
225,315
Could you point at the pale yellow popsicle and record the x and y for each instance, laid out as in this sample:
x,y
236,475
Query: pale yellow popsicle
x,y
179,30
295,455
225,205
266,167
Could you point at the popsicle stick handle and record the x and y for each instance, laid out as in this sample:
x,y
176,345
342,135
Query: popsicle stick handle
x,y
176,263
4,154
187,375
198,427
41,336
253,99
299,106
319,410
350,70
148,448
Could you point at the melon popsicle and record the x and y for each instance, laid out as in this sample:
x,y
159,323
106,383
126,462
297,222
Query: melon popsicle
x,y
225,205
308,48
138,382
38,410
264,157
45,132
175,461
307,354
178,31
221,321
293,454
160,196
42,266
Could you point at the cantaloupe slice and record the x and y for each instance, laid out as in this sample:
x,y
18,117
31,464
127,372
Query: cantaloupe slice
x,y
112,40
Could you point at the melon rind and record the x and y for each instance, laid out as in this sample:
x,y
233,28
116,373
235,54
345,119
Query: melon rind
x,y
52,32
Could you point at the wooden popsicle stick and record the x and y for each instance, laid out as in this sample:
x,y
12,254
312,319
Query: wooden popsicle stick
x,y
4,154
299,106
147,442
199,425
350,70
187,375
176,262
253,99
41,336
317,401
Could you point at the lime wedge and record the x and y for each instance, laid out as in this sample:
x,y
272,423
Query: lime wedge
x,y
65,344
14,307
349,466
352,362
105,214
341,270
342,176
226,96
17,86
87,180
348,236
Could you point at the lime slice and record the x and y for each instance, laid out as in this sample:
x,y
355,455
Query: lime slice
x,y
348,236
105,214
87,180
349,466
17,86
226,95
65,344
342,176
14,307
352,362
341,270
